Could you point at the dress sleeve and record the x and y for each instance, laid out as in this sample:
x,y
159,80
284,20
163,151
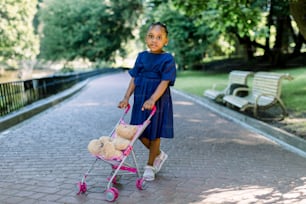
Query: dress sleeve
x,y
169,70
135,70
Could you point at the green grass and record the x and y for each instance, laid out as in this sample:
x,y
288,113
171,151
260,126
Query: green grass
x,y
195,82
293,92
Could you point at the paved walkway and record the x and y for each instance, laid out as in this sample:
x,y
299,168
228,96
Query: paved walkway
x,y
211,159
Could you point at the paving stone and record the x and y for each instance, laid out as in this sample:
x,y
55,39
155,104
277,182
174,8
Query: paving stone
x,y
211,159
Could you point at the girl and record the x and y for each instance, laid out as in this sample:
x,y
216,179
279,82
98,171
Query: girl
x,y
152,75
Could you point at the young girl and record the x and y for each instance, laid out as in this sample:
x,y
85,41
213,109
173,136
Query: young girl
x,y
153,73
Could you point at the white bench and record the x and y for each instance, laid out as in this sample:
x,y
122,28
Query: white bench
x,y
265,93
235,77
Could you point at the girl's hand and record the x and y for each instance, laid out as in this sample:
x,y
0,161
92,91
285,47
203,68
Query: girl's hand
x,y
148,104
123,104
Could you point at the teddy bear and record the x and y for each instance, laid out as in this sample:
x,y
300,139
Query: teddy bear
x,y
113,147
126,131
108,147
94,146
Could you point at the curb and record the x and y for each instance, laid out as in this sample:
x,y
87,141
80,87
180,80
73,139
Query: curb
x,y
287,140
39,106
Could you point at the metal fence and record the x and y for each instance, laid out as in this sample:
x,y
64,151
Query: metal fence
x,y
17,94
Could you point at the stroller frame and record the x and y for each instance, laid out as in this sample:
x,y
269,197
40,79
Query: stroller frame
x,y
120,167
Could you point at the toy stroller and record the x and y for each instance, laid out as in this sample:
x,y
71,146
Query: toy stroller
x,y
119,166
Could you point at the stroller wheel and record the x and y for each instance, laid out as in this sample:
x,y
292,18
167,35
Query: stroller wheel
x,y
82,187
141,184
116,192
111,194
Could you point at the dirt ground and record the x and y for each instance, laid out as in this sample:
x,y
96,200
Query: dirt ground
x,y
295,123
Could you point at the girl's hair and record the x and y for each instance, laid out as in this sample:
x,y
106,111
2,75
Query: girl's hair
x,y
161,25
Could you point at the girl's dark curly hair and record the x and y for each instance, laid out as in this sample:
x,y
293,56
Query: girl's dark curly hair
x,y
161,25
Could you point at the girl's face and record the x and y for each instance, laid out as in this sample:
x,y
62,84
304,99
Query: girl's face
x,y
156,39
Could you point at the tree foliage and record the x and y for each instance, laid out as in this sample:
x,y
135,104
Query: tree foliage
x,y
17,38
96,30
93,29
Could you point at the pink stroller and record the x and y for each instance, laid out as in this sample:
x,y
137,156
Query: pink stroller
x,y
119,166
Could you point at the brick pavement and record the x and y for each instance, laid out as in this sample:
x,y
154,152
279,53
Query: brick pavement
x,y
211,159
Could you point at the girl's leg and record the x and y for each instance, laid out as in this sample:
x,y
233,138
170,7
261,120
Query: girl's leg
x,y
153,146
145,141
154,150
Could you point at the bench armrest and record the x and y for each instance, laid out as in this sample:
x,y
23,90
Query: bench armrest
x,y
237,90
282,105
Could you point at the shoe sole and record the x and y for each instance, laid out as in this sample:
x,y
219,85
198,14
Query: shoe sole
x,y
148,179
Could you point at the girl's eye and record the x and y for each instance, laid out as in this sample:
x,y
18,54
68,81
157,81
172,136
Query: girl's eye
x,y
152,37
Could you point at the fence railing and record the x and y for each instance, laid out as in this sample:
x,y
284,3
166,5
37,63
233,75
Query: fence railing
x,y
17,94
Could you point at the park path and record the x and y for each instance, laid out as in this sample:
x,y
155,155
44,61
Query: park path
x,y
211,159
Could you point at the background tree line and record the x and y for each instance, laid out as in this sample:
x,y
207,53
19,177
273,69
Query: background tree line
x,y
96,30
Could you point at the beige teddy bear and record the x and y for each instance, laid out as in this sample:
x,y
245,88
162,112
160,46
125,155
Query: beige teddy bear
x,y
107,147
94,147
120,143
126,131
113,147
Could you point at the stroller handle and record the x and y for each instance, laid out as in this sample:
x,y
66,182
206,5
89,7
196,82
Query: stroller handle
x,y
153,111
128,107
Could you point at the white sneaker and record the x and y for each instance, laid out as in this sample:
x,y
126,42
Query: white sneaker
x,y
159,161
149,174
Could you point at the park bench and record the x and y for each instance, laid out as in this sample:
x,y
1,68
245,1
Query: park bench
x,y
265,93
235,78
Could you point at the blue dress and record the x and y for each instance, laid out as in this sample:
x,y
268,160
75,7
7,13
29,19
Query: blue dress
x,y
149,70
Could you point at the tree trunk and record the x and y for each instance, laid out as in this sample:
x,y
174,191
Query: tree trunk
x,y
277,51
298,44
298,11
267,50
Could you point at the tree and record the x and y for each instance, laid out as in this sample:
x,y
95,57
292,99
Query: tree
x,y
230,18
17,38
243,19
93,29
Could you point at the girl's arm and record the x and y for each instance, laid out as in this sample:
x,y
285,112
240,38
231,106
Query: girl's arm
x,y
130,90
148,104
